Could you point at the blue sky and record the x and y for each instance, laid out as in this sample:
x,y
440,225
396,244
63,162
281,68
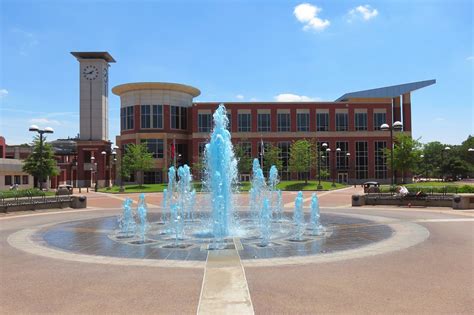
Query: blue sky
x,y
238,50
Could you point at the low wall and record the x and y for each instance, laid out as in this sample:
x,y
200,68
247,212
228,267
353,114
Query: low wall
x,y
458,202
38,203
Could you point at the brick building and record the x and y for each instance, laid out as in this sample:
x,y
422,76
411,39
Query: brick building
x,y
164,116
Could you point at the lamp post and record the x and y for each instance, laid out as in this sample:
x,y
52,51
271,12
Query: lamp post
x,y
94,170
396,126
334,170
104,154
35,128
444,154
348,156
117,148
422,157
324,146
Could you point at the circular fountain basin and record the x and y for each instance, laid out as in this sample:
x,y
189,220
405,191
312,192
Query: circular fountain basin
x,y
100,237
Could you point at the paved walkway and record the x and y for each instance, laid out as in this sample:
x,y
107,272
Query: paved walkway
x,y
434,276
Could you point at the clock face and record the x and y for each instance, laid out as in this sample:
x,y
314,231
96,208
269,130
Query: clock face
x,y
90,72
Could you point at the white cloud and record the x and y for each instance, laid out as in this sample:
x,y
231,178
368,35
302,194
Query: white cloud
x,y
45,121
253,99
365,12
470,58
26,40
239,97
3,93
288,97
308,14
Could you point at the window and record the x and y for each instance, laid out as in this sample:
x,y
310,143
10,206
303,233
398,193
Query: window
x,y
179,117
322,121
247,148
342,160
151,116
379,120
152,177
341,122
285,158
244,121
263,122
17,179
127,118
284,122
360,121
204,122
302,121
380,160
25,179
8,180
362,160
229,118
155,147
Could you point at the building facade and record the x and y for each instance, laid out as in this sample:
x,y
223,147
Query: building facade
x,y
175,129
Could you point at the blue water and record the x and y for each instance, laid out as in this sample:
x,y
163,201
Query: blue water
x,y
298,217
221,170
142,211
265,223
315,225
258,190
127,223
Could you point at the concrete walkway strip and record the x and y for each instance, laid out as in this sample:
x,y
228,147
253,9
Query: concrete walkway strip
x,y
224,288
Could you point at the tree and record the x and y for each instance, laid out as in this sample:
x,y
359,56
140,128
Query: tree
x,y
406,154
41,163
430,164
244,160
137,159
301,157
272,157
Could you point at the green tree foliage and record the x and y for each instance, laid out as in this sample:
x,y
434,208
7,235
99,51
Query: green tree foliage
x,y
244,160
41,163
302,157
136,160
272,157
406,155
430,165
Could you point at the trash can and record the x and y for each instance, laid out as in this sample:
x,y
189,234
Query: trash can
x,y
358,200
78,202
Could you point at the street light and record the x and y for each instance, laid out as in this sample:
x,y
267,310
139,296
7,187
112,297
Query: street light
x,y
324,146
348,156
334,167
397,126
35,128
444,154
117,148
104,154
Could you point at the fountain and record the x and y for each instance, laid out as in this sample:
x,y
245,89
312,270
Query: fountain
x,y
127,221
221,171
298,217
142,217
265,223
217,223
315,225
258,190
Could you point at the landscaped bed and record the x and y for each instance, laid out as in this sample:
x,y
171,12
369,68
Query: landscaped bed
x,y
25,193
243,186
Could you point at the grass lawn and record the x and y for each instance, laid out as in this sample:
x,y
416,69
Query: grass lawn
x,y
244,186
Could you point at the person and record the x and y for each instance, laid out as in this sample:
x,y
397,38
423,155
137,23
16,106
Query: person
x,y
402,191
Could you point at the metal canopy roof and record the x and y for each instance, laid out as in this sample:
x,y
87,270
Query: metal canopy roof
x,y
387,91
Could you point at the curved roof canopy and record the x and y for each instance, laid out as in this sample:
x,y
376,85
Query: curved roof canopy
x,y
120,89
387,91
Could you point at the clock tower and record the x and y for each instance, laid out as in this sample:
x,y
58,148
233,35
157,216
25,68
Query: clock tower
x,y
93,145
94,98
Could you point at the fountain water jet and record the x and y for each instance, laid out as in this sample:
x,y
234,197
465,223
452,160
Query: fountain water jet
x,y
142,217
221,168
315,225
298,217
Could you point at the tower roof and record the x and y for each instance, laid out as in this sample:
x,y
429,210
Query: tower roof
x,y
93,55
